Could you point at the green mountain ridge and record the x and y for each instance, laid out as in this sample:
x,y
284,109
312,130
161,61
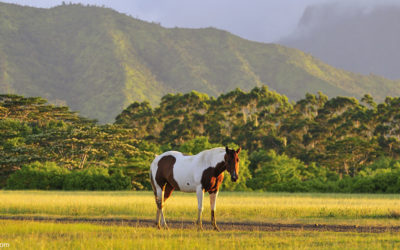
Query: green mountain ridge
x,y
98,61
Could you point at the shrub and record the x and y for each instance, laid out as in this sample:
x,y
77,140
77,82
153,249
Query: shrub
x,y
272,171
95,178
47,176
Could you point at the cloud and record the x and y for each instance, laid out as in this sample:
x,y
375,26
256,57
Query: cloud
x,y
259,20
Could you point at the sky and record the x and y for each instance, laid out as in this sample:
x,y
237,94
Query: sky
x,y
257,20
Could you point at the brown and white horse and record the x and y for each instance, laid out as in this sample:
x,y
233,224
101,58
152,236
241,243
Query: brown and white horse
x,y
199,173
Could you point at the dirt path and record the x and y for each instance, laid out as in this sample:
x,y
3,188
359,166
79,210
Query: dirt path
x,y
224,226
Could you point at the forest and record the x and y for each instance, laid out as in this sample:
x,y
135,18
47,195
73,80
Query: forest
x,y
316,144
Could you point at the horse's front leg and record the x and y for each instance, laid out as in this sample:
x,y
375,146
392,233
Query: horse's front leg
x,y
200,195
213,204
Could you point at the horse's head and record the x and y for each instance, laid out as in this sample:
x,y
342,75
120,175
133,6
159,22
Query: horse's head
x,y
232,163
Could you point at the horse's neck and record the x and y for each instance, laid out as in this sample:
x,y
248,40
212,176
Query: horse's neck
x,y
219,169
213,158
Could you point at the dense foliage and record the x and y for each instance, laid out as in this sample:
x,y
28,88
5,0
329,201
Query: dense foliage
x,y
318,141
314,145
98,61
49,176
32,130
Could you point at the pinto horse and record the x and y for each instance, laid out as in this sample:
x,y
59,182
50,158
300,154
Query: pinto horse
x,y
199,173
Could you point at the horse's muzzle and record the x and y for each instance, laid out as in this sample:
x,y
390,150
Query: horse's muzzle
x,y
234,178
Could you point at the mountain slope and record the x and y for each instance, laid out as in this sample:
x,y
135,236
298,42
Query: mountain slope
x,y
98,61
354,38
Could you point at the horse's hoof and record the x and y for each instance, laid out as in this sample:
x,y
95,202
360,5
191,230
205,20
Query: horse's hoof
x,y
217,229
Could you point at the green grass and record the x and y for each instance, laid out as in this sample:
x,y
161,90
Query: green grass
x,y
40,235
354,209
265,207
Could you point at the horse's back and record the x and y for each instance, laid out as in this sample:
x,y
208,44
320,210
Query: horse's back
x,y
175,154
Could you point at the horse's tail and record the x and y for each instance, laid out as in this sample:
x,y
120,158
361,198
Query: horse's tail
x,y
151,177
152,183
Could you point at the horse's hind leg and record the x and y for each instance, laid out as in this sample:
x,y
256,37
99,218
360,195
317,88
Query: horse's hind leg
x,y
159,215
161,196
167,193
158,197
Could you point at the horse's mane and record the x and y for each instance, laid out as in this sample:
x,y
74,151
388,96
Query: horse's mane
x,y
212,150
212,156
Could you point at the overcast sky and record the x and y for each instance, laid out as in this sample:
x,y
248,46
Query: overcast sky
x,y
258,20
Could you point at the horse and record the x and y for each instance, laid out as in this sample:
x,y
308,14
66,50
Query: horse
x,y
203,172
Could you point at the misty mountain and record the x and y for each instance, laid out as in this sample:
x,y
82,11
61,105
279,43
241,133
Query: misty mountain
x,y
98,61
358,38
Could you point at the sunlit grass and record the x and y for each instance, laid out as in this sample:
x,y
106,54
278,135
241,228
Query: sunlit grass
x,y
41,235
257,207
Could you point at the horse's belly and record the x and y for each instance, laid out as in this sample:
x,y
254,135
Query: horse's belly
x,y
185,180
187,185
190,189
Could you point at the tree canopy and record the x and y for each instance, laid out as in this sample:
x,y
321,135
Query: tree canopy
x,y
315,144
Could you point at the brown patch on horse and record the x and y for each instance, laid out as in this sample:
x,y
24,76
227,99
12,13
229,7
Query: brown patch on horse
x,y
165,173
168,191
212,177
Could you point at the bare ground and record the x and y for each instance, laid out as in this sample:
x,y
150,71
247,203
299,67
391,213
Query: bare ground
x,y
224,226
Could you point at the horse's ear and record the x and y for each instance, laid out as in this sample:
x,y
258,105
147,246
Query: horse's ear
x,y
227,149
238,151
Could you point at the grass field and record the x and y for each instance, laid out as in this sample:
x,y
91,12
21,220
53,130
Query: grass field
x,y
39,235
350,209
256,207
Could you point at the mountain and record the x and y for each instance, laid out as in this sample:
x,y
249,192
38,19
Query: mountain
x,y
356,38
98,61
